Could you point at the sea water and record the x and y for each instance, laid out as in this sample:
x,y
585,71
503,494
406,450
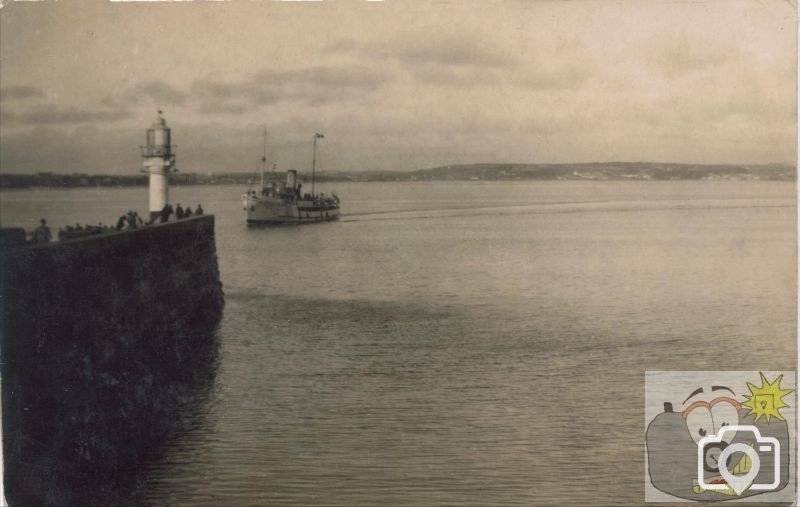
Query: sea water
x,y
461,343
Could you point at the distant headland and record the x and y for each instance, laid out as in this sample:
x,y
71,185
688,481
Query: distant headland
x,y
605,171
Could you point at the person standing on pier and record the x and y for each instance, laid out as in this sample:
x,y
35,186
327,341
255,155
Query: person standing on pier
x,y
42,233
178,211
166,211
131,220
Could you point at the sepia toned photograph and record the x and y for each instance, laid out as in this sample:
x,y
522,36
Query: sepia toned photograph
x,y
398,253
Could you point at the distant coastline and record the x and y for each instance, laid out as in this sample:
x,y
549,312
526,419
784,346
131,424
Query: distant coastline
x,y
610,171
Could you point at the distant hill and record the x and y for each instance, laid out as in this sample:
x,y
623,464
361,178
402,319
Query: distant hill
x,y
607,171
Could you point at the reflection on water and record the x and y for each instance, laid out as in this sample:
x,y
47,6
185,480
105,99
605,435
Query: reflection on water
x,y
492,353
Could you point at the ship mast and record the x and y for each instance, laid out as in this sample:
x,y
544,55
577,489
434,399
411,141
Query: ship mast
x,y
314,163
264,158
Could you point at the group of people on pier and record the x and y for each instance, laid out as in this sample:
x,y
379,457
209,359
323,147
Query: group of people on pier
x,y
130,220
78,230
178,211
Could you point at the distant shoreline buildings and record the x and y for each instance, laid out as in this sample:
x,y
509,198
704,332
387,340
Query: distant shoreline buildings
x,y
623,171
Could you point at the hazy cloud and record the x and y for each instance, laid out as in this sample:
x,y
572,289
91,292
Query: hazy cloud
x,y
555,77
6,115
402,86
316,85
212,106
469,77
232,97
341,46
323,84
65,148
159,91
21,93
54,115
465,61
446,50
680,55
440,59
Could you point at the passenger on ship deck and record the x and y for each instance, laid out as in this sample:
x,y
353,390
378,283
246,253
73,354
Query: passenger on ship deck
x,y
199,210
42,233
121,222
178,211
187,212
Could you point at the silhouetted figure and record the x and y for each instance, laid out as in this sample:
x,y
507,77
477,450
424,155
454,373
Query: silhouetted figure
x,y
137,219
131,220
42,233
121,222
187,212
178,211
199,210
166,211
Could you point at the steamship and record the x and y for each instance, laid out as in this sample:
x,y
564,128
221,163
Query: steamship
x,y
279,201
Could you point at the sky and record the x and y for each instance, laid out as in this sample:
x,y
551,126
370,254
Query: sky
x,y
397,85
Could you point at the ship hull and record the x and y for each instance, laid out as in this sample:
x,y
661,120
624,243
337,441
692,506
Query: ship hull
x,y
266,211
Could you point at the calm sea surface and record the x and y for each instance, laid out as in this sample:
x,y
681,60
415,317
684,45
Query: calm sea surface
x,y
463,343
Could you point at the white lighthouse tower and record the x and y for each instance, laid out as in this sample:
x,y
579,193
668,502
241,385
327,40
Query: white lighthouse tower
x,y
158,160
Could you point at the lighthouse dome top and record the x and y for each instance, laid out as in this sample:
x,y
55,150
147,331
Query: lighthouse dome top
x,y
159,120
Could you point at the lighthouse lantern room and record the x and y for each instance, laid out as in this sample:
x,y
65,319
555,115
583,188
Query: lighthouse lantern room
x,y
158,160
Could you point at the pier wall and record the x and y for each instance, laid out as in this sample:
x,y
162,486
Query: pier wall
x,y
105,341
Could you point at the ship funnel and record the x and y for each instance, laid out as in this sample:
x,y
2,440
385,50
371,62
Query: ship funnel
x,y
291,179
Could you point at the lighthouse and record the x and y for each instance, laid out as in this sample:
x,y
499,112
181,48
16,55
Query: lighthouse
x,y
158,160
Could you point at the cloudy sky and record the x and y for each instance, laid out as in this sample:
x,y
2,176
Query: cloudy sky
x,y
397,85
